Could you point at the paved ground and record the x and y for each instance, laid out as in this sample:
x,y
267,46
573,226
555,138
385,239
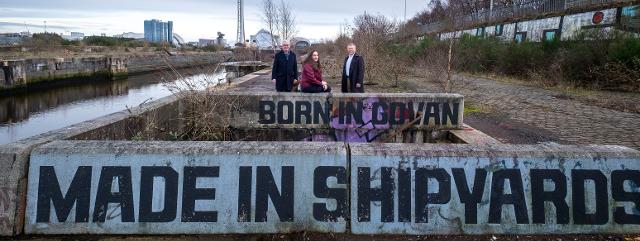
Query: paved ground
x,y
517,113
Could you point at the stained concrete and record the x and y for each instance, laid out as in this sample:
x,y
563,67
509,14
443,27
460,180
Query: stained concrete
x,y
290,166
443,218
248,106
36,71
14,157
434,204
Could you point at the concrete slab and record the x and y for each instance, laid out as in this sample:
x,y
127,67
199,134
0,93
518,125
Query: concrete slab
x,y
470,135
461,189
342,111
14,160
186,187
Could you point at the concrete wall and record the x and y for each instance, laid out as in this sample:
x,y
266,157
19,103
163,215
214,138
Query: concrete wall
x,y
535,28
342,111
270,116
14,157
141,64
572,25
280,170
36,71
226,187
552,189
39,70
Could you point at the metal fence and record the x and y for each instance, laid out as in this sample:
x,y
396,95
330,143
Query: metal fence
x,y
512,12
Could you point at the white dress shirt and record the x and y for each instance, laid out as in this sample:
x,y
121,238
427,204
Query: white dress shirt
x,y
348,65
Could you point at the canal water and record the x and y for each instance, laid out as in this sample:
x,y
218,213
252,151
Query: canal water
x,y
37,112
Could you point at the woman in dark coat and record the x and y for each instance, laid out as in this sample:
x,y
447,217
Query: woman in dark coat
x,y
312,81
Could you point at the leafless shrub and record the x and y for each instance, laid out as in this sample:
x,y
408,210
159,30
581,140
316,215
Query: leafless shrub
x,y
246,54
551,75
201,116
436,66
372,34
333,53
617,75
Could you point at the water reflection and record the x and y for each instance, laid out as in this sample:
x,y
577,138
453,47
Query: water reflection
x,y
34,113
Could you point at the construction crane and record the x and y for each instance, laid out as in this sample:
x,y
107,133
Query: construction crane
x,y
240,37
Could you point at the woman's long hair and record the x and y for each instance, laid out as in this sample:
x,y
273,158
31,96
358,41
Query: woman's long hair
x,y
309,60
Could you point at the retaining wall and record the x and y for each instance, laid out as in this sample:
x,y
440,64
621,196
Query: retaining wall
x,y
142,64
30,72
107,187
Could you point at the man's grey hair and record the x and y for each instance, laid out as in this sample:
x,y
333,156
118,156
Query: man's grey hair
x,y
351,45
286,42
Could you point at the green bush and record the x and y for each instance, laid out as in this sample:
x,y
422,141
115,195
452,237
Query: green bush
x,y
477,54
624,49
419,49
609,63
112,42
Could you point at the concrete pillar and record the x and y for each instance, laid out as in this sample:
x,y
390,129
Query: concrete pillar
x,y
399,137
2,78
419,137
117,66
14,72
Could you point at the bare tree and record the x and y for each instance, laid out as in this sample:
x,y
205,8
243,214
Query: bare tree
x,y
372,34
286,21
271,19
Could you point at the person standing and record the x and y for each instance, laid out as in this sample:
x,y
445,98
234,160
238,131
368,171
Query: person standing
x,y
353,71
284,72
311,80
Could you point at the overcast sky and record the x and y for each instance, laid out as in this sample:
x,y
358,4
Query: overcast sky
x,y
193,19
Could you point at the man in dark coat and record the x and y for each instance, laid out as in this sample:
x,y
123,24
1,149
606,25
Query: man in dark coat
x,y
285,69
353,72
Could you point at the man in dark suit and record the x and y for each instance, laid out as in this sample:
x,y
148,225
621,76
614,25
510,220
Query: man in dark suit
x,y
353,72
285,69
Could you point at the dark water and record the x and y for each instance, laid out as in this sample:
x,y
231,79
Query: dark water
x,y
33,113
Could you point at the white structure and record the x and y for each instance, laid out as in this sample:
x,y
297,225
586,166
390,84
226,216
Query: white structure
x,y
178,40
240,33
73,36
300,43
130,35
262,40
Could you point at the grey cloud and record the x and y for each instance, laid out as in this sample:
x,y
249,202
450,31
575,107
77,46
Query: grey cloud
x,y
10,24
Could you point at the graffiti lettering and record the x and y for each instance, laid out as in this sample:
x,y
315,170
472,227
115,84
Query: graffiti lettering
x,y
499,195
371,191
355,112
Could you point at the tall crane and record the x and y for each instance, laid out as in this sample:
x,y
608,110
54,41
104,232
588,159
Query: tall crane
x,y
240,37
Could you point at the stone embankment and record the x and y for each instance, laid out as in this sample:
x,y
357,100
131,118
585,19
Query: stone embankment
x,y
34,72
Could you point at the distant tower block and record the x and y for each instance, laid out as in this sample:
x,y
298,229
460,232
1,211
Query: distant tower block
x,y
240,38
